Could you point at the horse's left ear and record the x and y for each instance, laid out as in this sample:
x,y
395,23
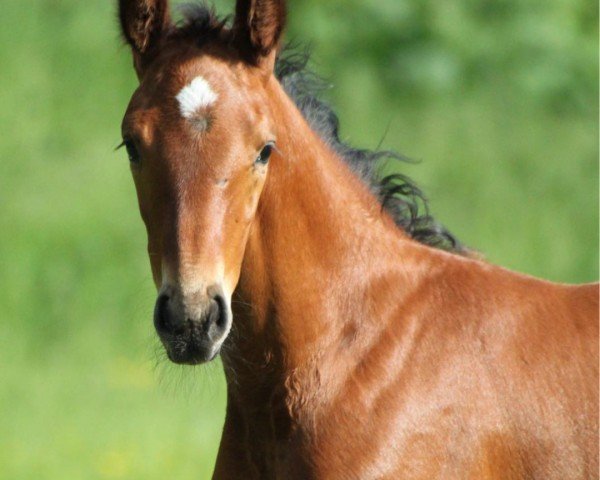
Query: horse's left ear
x,y
143,23
257,30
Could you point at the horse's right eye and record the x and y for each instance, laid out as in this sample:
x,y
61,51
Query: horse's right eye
x,y
132,152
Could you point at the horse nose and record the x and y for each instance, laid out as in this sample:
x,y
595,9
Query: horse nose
x,y
211,321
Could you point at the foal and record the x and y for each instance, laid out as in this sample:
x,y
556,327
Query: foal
x,y
351,349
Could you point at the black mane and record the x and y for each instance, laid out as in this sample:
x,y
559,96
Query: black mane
x,y
397,193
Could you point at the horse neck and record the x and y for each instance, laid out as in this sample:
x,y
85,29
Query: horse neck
x,y
320,260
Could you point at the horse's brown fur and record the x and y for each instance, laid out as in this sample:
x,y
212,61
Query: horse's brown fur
x,y
356,352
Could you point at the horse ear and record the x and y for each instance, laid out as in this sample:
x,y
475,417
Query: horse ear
x,y
143,23
257,30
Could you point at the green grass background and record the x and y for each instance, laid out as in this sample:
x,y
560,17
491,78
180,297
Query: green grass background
x,y
498,98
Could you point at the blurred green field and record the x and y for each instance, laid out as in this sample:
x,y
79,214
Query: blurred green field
x,y
498,98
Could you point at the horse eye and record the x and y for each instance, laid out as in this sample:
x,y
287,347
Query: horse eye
x,y
132,152
265,154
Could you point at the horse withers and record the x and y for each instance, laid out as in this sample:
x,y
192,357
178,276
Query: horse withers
x,y
359,339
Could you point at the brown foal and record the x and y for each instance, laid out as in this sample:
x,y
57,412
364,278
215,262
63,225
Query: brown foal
x,y
351,350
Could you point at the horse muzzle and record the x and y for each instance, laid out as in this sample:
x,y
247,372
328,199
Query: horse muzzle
x,y
192,329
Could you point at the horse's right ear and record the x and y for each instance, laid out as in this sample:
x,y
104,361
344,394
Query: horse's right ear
x,y
143,23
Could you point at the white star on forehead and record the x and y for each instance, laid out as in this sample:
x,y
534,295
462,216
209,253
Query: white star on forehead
x,y
196,95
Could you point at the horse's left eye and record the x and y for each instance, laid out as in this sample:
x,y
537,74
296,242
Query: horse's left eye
x,y
265,154
132,152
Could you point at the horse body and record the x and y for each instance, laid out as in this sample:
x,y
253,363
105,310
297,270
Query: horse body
x,y
368,355
357,352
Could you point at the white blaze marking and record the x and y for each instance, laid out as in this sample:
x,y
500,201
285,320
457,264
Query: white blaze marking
x,y
198,94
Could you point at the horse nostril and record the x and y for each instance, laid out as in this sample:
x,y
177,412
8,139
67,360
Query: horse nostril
x,y
217,318
221,312
162,320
